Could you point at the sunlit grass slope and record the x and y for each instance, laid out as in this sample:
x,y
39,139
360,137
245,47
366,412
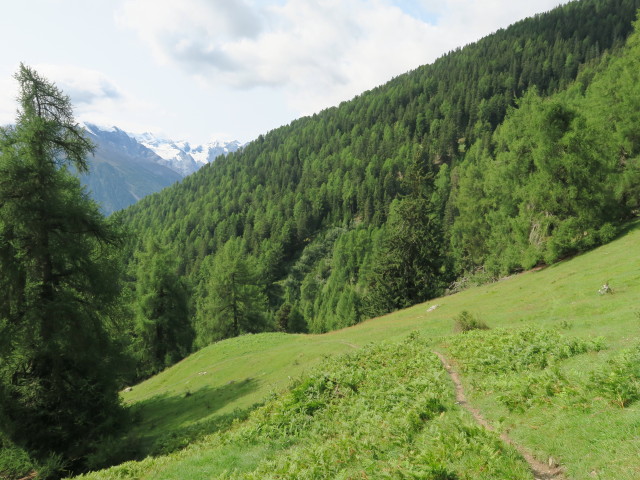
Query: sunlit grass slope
x,y
562,406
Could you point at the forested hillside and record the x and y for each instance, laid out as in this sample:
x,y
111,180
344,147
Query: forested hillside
x,y
383,201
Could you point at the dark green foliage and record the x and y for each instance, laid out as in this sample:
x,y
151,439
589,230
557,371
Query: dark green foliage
x,y
289,319
545,193
233,300
163,329
466,321
559,174
409,266
330,287
60,282
15,462
321,205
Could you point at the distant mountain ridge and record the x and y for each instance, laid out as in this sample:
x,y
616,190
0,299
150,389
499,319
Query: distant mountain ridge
x,y
181,156
126,167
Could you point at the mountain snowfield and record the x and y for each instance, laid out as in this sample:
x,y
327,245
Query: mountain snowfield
x,y
181,156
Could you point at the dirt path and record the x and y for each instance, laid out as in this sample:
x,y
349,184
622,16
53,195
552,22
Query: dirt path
x,y
540,470
31,476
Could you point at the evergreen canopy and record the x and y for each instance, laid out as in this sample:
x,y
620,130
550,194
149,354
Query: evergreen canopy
x,y
58,367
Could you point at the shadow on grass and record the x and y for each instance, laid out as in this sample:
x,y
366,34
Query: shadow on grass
x,y
627,228
166,423
624,229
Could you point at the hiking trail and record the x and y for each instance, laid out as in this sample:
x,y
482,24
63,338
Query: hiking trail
x,y
540,470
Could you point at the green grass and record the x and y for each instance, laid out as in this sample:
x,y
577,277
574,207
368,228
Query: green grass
x,y
564,406
218,383
385,411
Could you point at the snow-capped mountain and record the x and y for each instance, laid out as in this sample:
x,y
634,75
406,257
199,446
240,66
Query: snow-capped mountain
x,y
122,171
181,156
127,167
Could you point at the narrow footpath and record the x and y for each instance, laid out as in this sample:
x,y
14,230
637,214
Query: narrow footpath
x,y
540,470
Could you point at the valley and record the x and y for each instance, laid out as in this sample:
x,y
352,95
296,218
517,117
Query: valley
x,y
437,279
126,167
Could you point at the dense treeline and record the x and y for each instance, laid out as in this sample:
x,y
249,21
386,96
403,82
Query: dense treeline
x,y
382,201
556,176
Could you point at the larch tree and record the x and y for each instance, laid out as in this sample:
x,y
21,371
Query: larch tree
x,y
163,329
60,282
409,266
232,301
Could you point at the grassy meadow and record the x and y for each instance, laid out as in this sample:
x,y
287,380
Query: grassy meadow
x,y
559,370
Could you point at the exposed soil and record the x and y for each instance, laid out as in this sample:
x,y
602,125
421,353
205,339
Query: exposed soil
x,y
540,470
31,476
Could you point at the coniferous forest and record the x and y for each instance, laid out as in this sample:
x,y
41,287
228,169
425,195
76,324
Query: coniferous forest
x,y
519,150
493,159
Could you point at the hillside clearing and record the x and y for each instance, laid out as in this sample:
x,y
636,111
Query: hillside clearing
x,y
589,435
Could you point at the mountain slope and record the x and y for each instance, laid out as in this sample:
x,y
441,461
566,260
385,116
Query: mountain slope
x,y
122,171
545,314
308,205
128,167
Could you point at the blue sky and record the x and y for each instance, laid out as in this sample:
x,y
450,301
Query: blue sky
x,y
230,69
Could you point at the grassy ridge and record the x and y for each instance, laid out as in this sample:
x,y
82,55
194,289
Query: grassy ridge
x,y
579,425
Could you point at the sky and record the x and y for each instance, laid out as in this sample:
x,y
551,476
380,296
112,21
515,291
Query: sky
x,y
203,70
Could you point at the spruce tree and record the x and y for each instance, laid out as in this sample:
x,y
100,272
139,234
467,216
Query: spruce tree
x,y
409,267
60,283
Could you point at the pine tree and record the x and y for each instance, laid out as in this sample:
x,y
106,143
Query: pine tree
x,y
60,283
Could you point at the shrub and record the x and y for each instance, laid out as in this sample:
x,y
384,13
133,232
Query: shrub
x,y
522,366
522,391
14,462
466,321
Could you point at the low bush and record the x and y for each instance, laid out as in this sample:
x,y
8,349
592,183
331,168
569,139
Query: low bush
x,y
466,321
524,390
521,366
17,463
14,461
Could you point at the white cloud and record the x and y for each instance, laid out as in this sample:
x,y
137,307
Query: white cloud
x,y
190,32
319,51
98,99
84,86
473,18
